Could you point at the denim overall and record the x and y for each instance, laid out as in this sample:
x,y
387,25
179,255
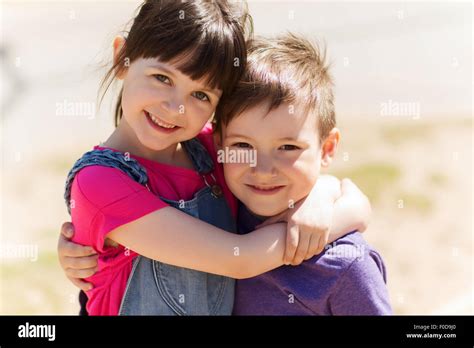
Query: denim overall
x,y
156,288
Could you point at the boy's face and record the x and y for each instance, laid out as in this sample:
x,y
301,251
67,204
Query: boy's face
x,y
288,157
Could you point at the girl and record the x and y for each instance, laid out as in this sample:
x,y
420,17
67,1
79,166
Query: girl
x,y
141,191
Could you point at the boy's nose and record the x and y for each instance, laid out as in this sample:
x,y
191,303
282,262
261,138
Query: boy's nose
x,y
264,168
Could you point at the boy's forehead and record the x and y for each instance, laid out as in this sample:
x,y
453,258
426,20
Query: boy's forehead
x,y
286,118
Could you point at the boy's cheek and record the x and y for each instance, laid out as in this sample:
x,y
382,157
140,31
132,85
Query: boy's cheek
x,y
233,171
232,174
302,182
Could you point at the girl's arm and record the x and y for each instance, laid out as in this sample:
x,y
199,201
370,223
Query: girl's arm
x,y
184,241
171,236
351,211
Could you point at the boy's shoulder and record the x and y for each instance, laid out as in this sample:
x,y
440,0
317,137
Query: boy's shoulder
x,y
348,254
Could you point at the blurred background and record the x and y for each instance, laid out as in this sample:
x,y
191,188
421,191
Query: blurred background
x,y
403,87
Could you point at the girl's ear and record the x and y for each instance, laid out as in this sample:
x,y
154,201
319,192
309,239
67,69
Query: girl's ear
x,y
329,147
118,44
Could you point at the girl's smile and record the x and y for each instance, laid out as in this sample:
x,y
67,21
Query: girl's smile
x,y
159,124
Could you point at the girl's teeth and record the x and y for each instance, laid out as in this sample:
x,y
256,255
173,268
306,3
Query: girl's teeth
x,y
159,123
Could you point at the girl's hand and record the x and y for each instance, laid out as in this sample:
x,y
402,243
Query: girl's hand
x,y
77,261
332,210
309,221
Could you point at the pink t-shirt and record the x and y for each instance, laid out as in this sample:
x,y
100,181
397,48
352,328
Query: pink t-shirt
x,y
105,198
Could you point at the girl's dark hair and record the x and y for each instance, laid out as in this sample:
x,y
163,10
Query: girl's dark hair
x,y
210,35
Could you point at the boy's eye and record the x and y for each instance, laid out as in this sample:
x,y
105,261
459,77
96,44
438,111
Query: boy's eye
x,y
288,147
201,96
162,78
242,145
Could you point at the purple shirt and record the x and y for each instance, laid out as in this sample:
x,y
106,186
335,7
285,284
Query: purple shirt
x,y
348,278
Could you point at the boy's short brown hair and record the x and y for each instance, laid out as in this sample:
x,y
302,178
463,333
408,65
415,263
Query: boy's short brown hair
x,y
284,69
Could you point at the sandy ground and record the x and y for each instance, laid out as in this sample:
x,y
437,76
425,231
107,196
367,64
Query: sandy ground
x,y
416,171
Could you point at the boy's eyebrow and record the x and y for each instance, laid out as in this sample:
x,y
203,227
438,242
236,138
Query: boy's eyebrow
x,y
290,139
281,139
236,136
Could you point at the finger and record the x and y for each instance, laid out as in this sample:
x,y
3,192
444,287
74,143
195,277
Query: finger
x,y
71,249
67,230
313,247
323,241
81,262
302,249
84,286
80,273
292,238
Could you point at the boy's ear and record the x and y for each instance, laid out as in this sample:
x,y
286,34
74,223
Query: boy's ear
x,y
329,147
118,45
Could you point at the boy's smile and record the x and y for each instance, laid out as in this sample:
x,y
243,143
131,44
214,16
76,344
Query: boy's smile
x,y
288,157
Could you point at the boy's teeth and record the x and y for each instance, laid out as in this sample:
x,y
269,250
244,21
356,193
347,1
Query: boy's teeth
x,y
159,123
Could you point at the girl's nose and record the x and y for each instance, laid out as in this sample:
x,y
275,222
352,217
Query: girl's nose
x,y
174,106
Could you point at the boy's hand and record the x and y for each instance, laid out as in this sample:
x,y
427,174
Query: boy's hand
x,y
77,261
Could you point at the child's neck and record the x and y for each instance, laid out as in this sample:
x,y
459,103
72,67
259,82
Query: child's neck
x,y
124,139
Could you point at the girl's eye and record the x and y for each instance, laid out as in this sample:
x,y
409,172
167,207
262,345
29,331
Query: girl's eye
x,y
201,96
162,78
288,147
242,145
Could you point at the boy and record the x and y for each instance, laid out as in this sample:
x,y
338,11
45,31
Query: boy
x,y
283,109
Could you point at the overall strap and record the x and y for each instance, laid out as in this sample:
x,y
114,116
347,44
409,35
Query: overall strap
x,y
105,158
201,159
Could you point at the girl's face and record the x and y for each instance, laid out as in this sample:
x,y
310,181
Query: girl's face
x,y
163,106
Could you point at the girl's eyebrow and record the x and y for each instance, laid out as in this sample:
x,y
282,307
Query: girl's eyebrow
x,y
169,72
216,92
161,67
